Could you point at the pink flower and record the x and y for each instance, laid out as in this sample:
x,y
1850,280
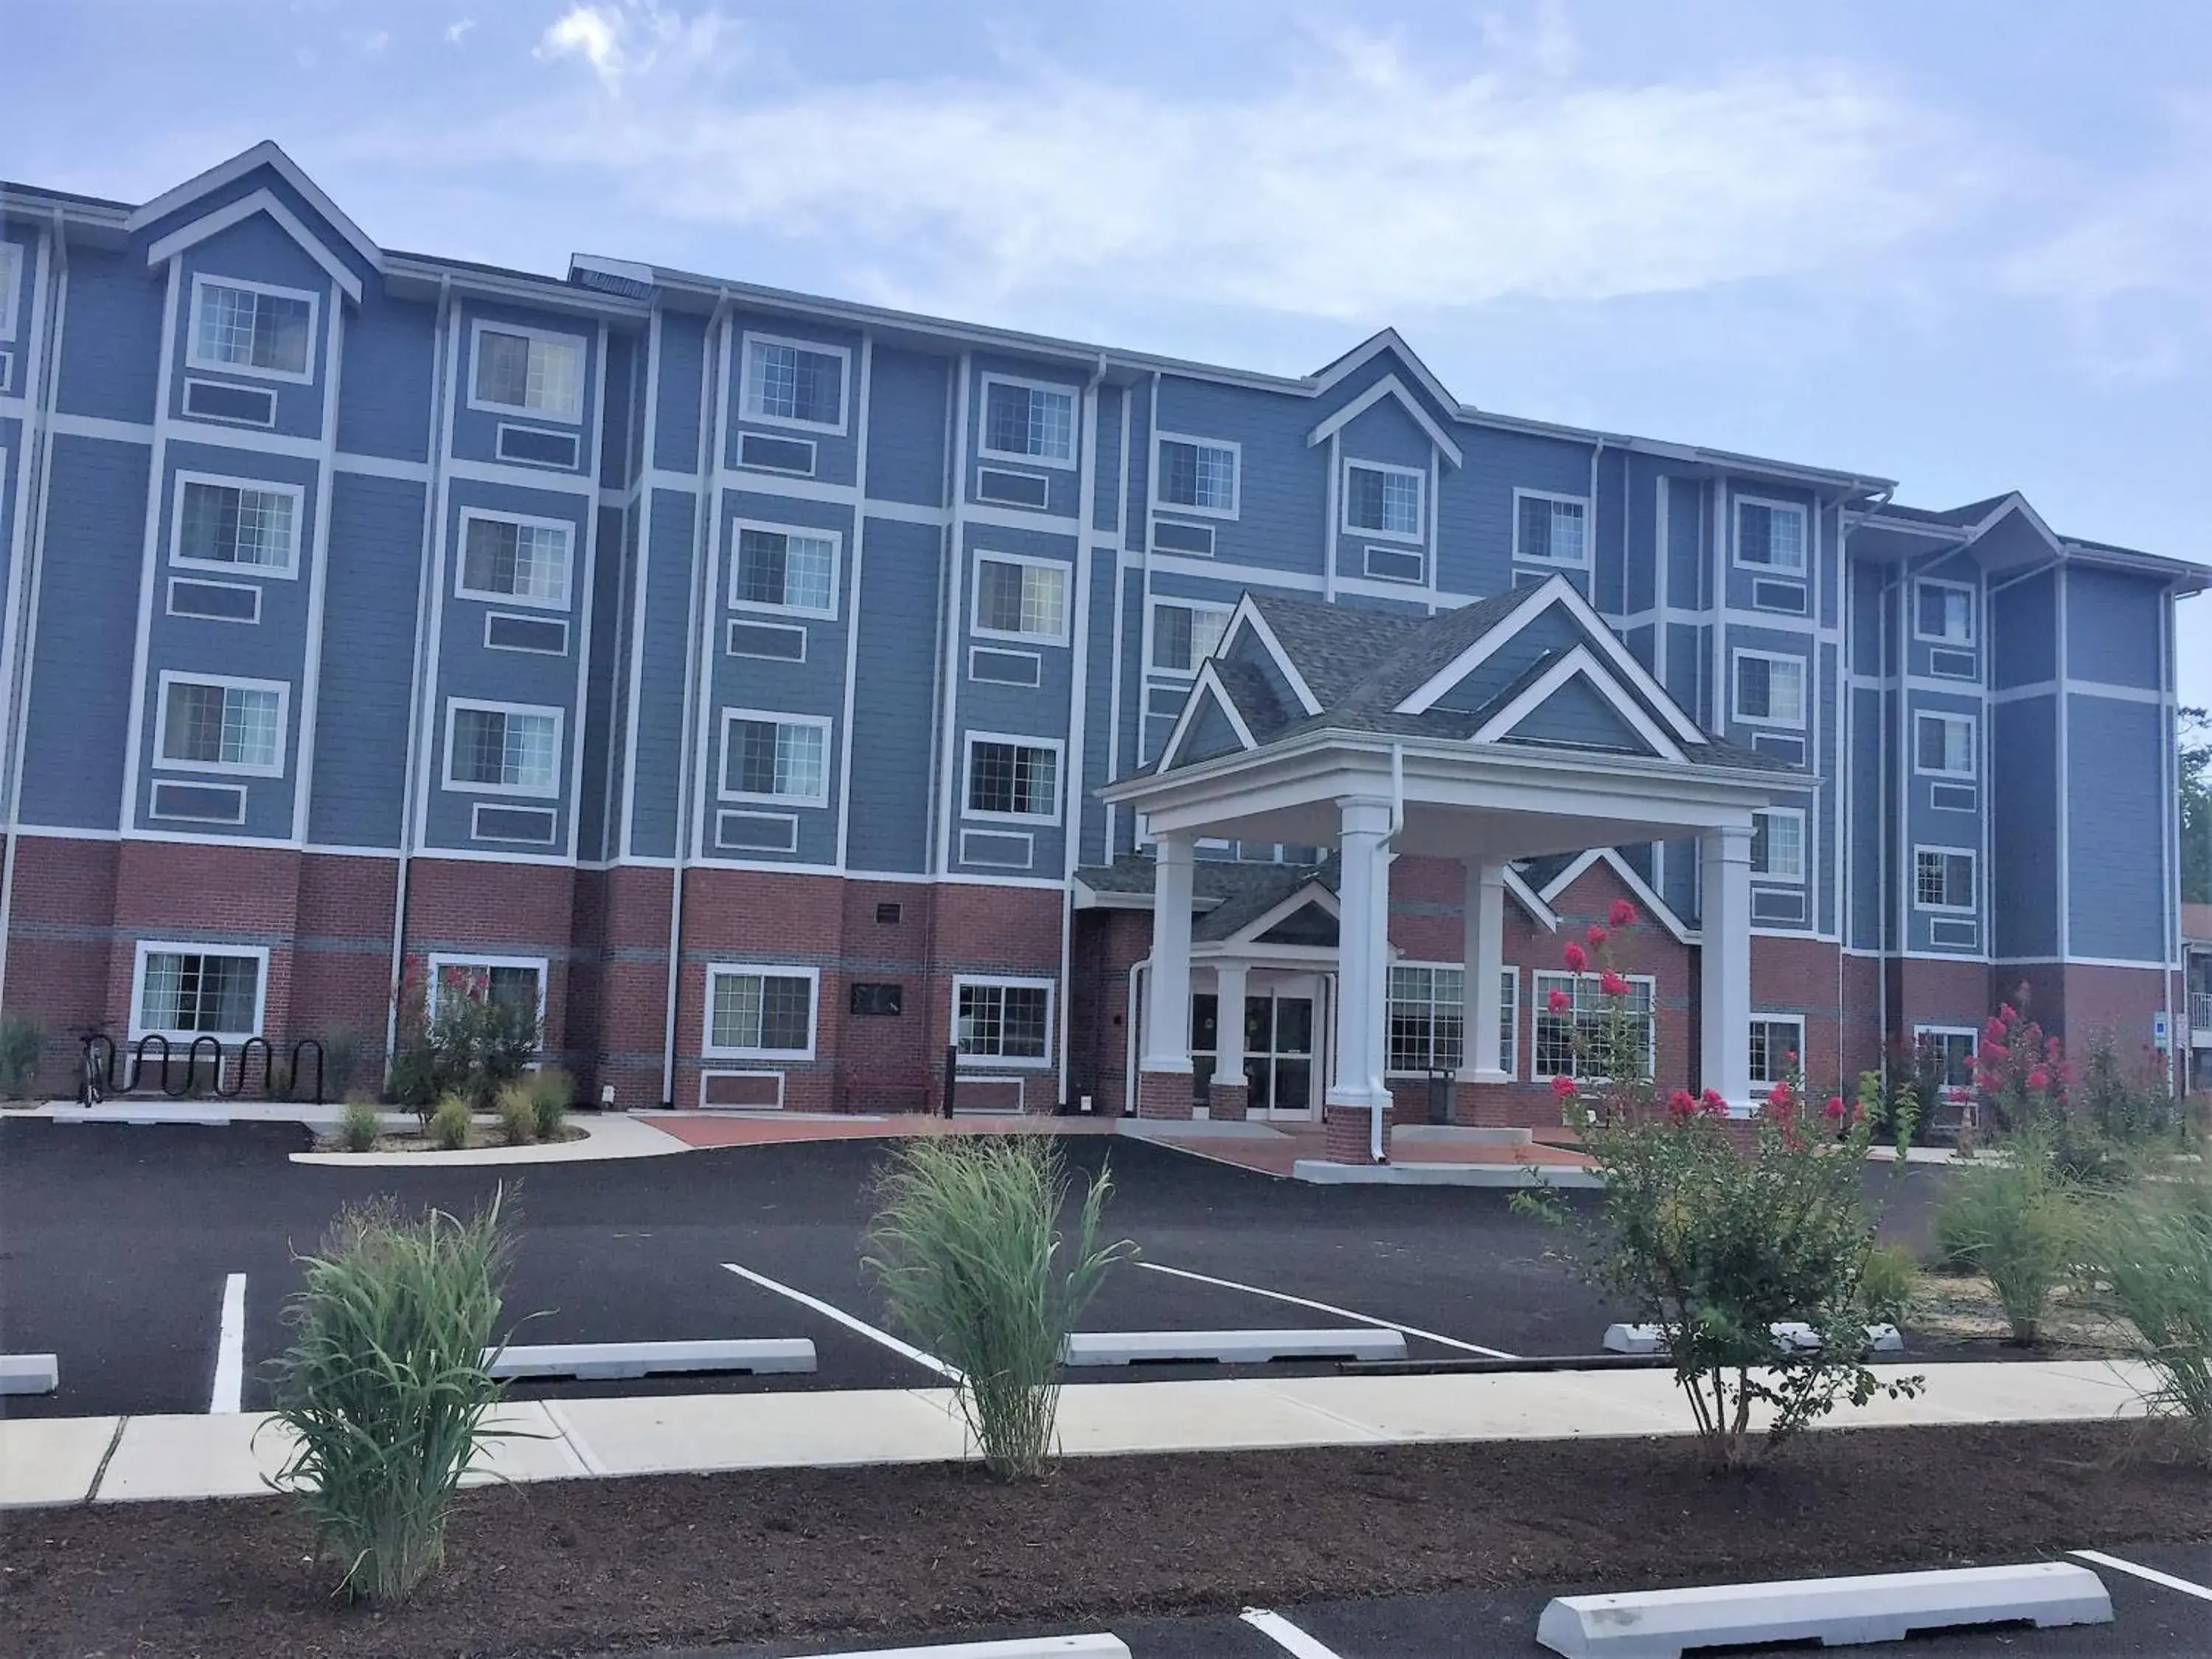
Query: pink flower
x,y
1559,1002
1595,936
1994,1033
2038,1079
2054,1050
2006,1013
1789,1056
1613,985
1563,1088
1573,956
1711,1105
1681,1105
1779,1099
1623,913
1834,1109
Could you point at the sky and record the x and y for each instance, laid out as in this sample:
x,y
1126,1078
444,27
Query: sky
x,y
1966,245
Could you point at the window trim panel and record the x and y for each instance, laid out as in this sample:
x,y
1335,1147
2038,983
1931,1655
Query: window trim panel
x,y
985,452
574,416
1011,982
824,723
1236,475
203,279
146,947
1021,740
170,677
1737,655
288,571
528,521
1417,537
976,628
747,386
1802,570
762,607
526,791
709,1049
1522,557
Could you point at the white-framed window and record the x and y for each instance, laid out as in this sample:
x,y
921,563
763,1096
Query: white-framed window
x,y
1382,500
1944,612
1770,688
1953,1048
1427,1017
11,278
1028,421
1777,1048
1019,597
1550,528
1770,535
1197,475
183,991
771,757
530,371
503,747
757,1012
1943,744
213,723
784,570
1184,634
240,327
1554,1046
1777,843
516,983
235,524
513,559
1943,878
1013,778
797,383
1007,1022
1508,1021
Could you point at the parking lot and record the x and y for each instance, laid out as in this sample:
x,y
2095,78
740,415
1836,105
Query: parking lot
x,y
155,1261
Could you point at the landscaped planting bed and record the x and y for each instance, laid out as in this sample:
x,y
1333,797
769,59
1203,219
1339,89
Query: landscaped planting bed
x,y
583,1567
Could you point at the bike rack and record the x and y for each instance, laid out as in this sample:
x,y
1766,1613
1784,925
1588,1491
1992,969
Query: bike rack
x,y
238,1079
192,1068
298,1048
101,1058
139,1063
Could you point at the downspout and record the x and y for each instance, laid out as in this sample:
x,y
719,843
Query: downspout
x,y
1375,1154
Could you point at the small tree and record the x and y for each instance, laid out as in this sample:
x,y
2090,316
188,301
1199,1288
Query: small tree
x,y
23,1043
471,1044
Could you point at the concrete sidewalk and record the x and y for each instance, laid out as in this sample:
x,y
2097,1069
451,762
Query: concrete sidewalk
x,y
117,1459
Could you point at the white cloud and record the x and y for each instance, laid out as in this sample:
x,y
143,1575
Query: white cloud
x,y
635,38
458,30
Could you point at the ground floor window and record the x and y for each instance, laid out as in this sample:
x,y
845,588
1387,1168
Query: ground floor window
x,y
1008,1020
1584,1014
514,983
760,1013
1508,1021
1777,1044
1428,1018
186,990
1951,1049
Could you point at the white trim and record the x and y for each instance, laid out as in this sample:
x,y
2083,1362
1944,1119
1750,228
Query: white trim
x,y
1577,662
11,280
170,608
477,832
984,452
1972,908
1212,607
1067,577
572,416
288,570
528,792
821,723
1538,994
737,529
1737,654
709,1049
164,761
438,961
1247,615
752,416
1760,1017
203,279
1458,1003
145,947
1210,683
1389,386
1972,641
1417,536
1236,475
1973,744
1802,571
1005,981
1309,891
218,220
864,394
1798,878
708,1072
1972,1034
1590,526
264,153
566,526
1655,906
1021,740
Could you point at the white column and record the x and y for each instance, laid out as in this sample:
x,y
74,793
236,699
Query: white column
x,y
1486,964
1228,1022
1724,985
1363,956
1167,1005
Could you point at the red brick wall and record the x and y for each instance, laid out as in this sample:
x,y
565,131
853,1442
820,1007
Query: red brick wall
x,y
1801,976
58,944
1107,944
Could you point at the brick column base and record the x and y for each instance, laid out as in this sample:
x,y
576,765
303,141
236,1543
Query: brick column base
x,y
1228,1102
1165,1095
1495,1106
1345,1131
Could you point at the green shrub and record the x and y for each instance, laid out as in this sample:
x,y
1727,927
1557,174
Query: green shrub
x,y
967,1247
518,1116
385,1387
1887,1282
2131,1111
2151,1249
2016,1219
550,1090
359,1125
22,1041
449,1124
343,1052
473,1046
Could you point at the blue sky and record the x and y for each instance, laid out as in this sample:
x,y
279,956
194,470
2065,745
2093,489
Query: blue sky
x,y
1966,245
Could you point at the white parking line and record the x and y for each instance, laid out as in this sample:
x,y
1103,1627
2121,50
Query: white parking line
x,y
1286,1635
2152,1574
1328,1307
928,1361
230,1349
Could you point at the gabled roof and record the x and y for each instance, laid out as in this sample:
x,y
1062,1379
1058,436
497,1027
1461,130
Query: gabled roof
x,y
1374,345
264,153
1389,386
196,231
1566,874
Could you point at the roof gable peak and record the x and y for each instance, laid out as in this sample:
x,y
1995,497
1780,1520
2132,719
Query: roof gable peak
x,y
1388,340
266,154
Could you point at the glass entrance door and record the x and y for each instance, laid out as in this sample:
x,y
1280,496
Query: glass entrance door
x,y
1279,1053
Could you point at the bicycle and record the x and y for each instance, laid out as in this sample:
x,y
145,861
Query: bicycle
x,y
91,1088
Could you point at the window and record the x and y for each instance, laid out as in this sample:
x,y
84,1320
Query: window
x,y
1023,421
785,570
236,525
1770,535
1010,779
1770,690
1021,598
1777,844
1777,1048
1586,1013
211,724
791,383
526,368
514,983
185,991
505,748
1197,476
1942,878
1944,612
1383,501
1508,1021
11,277
1944,744
251,328
760,1013
768,757
1951,1049
524,559
1428,1018
1184,635
1549,526
1006,1020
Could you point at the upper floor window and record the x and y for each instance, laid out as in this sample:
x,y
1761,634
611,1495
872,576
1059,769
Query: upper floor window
x,y
236,525
251,328
760,1013
1006,1020
1025,421
1010,779
185,991
1770,688
785,570
1197,476
1021,598
778,757
1427,1019
11,277
787,383
216,725
1944,612
1382,500
521,559
1777,843
1184,635
1943,878
509,749
529,370
1547,526
1770,535
1944,744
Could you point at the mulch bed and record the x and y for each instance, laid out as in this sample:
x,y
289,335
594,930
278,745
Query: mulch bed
x,y
583,1567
